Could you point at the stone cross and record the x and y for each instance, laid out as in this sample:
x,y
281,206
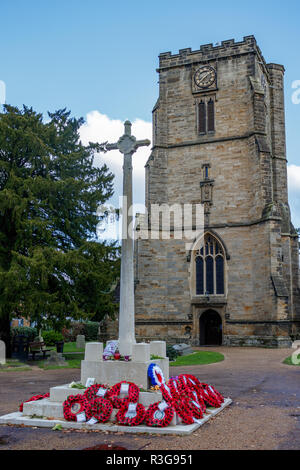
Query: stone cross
x,y
127,144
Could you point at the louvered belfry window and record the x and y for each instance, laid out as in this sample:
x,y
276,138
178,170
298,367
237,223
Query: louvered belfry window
x,y
202,117
210,116
206,116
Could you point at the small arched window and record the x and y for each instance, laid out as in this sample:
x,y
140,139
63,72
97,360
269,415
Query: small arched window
x,y
210,267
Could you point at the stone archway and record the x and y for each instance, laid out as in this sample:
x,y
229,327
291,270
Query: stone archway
x,y
210,327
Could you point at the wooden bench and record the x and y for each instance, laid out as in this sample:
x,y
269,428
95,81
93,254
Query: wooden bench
x,y
37,347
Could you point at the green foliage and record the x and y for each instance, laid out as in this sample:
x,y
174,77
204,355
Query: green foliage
x,y
77,385
51,265
153,356
51,337
27,331
91,331
294,362
171,353
57,427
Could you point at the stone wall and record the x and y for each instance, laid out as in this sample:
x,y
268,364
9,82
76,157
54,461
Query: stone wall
x,y
247,207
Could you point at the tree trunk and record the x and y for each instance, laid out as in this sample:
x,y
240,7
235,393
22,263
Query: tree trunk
x,y
5,333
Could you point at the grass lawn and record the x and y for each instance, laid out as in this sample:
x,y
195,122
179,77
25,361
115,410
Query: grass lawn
x,y
198,358
288,361
13,365
68,348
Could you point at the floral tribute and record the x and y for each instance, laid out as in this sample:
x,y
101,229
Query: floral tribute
x,y
183,394
132,397
157,417
156,375
131,419
101,409
92,391
75,405
211,396
34,398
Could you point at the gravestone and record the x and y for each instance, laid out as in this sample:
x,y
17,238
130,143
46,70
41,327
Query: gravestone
x,y
2,352
56,359
80,341
183,349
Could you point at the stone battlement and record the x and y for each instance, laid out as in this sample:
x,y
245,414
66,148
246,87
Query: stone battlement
x,y
210,52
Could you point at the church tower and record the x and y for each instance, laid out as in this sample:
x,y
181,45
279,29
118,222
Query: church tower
x,y
219,141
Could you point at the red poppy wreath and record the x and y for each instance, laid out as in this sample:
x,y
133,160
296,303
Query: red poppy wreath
x,y
93,391
213,391
195,408
209,397
131,414
75,405
184,411
114,392
34,398
101,409
167,394
156,417
175,388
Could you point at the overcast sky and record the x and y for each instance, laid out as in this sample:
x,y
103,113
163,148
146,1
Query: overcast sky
x,y
98,59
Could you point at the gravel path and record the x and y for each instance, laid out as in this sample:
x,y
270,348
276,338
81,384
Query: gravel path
x,y
265,413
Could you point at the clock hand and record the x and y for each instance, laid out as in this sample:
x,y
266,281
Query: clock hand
x,y
201,79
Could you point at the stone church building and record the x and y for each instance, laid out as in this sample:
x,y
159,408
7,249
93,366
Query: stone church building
x,y
219,140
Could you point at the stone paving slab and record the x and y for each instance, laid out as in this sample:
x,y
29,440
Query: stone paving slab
x,y
186,429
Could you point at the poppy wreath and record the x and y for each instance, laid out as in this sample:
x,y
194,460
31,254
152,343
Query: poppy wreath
x,y
91,392
167,394
209,397
195,407
184,411
197,396
101,409
193,382
156,375
132,397
175,389
138,419
214,391
83,407
34,398
157,418
184,385
188,382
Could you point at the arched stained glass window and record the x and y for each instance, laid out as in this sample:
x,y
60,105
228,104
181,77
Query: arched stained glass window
x,y
219,275
209,262
199,276
210,267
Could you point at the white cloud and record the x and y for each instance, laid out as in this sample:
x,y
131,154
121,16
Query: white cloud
x,y
294,177
294,193
100,128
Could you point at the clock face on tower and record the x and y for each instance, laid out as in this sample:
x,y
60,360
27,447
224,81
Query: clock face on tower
x,y
205,76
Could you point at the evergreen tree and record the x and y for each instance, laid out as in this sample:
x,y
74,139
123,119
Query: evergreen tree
x,y
51,264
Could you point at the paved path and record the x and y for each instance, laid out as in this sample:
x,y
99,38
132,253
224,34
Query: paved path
x,y
265,413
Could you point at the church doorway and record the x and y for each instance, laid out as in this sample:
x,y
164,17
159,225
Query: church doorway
x,y
210,328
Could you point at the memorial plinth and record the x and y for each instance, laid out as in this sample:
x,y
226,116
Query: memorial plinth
x,y
135,370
